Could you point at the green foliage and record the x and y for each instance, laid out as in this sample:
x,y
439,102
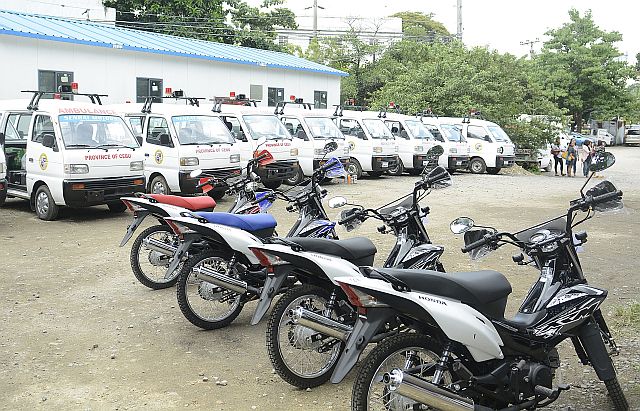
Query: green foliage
x,y
418,24
532,133
581,66
229,21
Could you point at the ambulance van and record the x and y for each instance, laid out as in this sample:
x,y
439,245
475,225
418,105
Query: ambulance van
x,y
455,145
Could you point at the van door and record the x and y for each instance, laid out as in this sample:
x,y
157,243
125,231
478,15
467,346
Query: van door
x,y
360,146
243,140
45,163
16,129
481,145
304,142
161,156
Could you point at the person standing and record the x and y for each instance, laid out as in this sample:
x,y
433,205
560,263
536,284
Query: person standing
x,y
586,154
572,157
556,152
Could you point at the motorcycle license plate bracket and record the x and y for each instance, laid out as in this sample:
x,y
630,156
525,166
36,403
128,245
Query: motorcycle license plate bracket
x,y
139,216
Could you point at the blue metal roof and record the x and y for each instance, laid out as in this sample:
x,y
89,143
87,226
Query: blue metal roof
x,y
104,35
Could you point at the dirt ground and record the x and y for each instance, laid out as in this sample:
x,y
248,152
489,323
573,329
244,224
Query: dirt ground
x,y
79,332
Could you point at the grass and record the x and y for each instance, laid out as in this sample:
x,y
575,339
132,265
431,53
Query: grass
x,y
629,315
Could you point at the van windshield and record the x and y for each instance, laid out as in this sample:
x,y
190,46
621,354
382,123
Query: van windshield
x,y
377,129
419,130
80,131
269,127
323,127
453,133
194,130
499,134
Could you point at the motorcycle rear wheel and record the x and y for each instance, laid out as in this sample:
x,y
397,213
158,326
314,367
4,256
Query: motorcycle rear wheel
x,y
295,359
150,271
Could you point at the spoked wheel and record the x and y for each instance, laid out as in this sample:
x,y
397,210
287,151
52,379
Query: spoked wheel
x,y
204,304
302,357
150,266
416,354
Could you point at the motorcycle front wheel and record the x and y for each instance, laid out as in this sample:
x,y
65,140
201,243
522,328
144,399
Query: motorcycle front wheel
x,y
302,357
204,304
149,266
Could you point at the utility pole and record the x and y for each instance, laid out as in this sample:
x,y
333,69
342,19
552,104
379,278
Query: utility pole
x,y
459,20
315,8
530,43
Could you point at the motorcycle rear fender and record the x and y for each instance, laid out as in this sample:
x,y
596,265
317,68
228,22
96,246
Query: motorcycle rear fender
x,y
271,288
365,328
234,238
457,321
182,250
137,220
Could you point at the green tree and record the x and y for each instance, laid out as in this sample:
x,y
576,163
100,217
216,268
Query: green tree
x,y
582,68
228,21
418,24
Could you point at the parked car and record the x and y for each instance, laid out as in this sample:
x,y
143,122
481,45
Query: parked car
x,y
632,135
580,138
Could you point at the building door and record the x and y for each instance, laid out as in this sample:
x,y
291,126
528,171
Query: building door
x,y
148,87
55,81
274,96
320,99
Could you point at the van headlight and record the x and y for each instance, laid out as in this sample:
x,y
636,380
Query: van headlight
x,y
76,168
418,149
453,150
377,149
293,152
234,158
500,150
189,161
136,166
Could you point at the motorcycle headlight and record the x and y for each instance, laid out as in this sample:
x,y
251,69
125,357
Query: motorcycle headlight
x,y
136,166
189,161
293,152
500,150
76,168
234,158
377,149
418,149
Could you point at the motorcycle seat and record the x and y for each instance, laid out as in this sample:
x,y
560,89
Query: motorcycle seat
x,y
358,250
247,222
486,291
199,203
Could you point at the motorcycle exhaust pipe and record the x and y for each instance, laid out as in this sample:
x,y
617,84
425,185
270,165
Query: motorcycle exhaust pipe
x,y
159,246
425,392
320,323
221,280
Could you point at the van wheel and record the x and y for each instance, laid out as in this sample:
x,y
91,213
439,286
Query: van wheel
x,y
493,170
272,185
117,207
296,178
159,186
354,168
477,166
46,208
3,197
397,170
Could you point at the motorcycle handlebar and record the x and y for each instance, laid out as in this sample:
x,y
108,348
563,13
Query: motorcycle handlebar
x,y
350,218
209,181
486,239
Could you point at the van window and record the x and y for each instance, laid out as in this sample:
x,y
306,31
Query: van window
x,y
268,127
17,126
157,128
499,134
41,127
194,130
136,125
394,126
87,131
351,127
293,126
377,129
419,130
233,124
453,133
323,127
476,132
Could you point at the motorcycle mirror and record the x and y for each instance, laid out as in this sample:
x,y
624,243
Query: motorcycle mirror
x,y
601,161
461,225
261,141
439,177
330,146
435,152
195,173
337,202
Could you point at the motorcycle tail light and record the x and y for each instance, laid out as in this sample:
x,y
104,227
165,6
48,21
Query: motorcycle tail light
x,y
267,259
360,299
131,206
178,229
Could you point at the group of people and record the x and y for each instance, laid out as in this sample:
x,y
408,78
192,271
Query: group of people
x,y
571,154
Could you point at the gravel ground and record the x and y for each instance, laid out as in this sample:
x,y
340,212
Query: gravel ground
x,y
79,332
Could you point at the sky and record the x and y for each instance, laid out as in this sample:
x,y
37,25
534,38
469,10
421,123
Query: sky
x,y
498,24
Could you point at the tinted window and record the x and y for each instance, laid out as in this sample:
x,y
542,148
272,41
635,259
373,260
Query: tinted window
x,y
42,127
292,125
233,125
351,127
157,128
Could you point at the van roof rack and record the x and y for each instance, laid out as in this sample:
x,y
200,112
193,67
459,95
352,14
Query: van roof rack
x,y
383,110
281,105
472,114
177,95
219,101
338,111
37,95
426,113
355,108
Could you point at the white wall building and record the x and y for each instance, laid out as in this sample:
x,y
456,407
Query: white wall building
x,y
50,53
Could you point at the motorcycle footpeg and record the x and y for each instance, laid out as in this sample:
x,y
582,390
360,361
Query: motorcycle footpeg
x,y
551,393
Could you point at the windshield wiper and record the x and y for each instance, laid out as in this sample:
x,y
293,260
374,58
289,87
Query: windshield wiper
x,y
78,145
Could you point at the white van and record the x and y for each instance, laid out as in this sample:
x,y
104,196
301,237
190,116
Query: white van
x,y
312,129
491,148
247,124
372,147
66,153
3,168
456,147
413,139
177,139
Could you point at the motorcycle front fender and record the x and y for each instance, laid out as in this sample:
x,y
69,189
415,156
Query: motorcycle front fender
x,y
363,332
272,285
137,220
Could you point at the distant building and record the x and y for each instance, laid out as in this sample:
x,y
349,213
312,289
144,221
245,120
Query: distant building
x,y
52,53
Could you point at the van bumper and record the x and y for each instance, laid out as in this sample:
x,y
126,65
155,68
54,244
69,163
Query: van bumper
x,y
383,163
277,171
188,184
505,161
458,162
89,192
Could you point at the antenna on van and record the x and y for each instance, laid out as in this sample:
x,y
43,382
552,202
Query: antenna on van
x,y
37,95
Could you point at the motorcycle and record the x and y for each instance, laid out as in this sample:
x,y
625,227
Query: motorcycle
x,y
316,317
155,247
463,353
215,284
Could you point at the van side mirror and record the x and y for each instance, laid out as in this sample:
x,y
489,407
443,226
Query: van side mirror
x,y
49,140
302,135
1,138
361,135
139,140
487,139
165,140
